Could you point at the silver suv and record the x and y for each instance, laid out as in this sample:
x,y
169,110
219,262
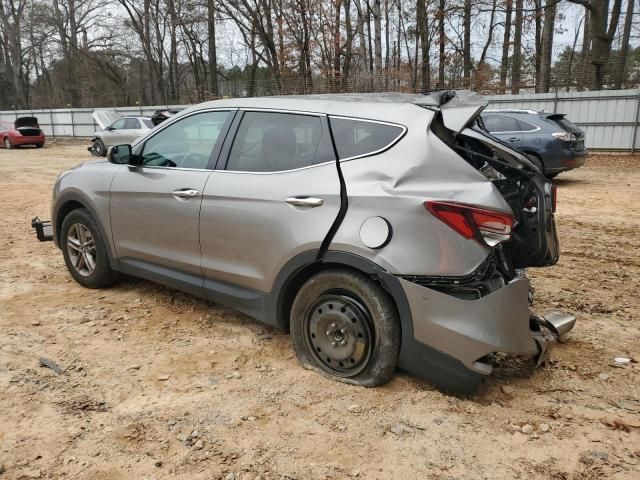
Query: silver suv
x,y
380,230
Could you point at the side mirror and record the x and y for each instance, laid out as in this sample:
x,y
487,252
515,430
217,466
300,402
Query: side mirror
x,y
109,128
122,155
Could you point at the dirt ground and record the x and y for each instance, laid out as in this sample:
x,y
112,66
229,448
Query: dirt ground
x,y
159,384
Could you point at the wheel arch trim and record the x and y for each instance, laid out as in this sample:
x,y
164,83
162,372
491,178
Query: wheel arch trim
x,y
415,357
76,197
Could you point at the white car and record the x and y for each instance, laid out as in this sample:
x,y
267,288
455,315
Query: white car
x,y
116,130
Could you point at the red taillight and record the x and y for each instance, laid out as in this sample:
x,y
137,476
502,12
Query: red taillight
x,y
486,226
554,197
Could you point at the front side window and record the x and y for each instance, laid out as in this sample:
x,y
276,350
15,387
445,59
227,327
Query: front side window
x,y
272,142
187,143
131,124
355,138
501,123
118,124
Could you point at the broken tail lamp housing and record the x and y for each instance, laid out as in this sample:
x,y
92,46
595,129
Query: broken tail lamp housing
x,y
488,227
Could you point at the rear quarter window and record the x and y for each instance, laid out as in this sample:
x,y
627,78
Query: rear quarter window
x,y
356,138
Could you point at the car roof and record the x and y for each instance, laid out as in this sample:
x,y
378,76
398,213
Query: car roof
x,y
386,106
512,111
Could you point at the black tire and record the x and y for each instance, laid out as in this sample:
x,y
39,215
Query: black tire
x,y
551,176
98,148
7,143
39,145
102,275
536,161
364,324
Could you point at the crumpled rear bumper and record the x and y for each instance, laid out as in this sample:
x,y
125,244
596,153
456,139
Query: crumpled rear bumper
x,y
468,330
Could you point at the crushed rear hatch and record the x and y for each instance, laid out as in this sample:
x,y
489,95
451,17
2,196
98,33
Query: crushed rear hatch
x,y
530,195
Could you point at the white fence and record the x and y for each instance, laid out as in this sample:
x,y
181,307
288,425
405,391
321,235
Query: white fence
x,y
610,118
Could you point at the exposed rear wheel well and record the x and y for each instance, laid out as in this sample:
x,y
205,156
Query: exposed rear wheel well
x,y
65,210
296,281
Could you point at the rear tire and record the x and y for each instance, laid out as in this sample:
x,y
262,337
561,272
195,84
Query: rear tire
x,y
39,145
85,251
7,143
346,326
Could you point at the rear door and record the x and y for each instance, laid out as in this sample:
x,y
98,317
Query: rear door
x,y
504,127
276,195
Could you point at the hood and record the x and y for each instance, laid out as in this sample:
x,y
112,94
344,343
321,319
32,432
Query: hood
x,y
21,122
104,118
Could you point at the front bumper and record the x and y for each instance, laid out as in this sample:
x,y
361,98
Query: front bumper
x,y
469,330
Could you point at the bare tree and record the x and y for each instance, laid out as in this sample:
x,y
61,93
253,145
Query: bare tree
x,y
618,74
544,79
602,27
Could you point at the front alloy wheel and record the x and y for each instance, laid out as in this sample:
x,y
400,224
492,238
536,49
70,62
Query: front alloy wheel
x,y
81,249
85,251
344,324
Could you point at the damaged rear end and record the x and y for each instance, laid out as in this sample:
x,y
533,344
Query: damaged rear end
x,y
473,316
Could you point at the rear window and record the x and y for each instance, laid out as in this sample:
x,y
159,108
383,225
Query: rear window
x,y
356,138
147,122
526,126
564,123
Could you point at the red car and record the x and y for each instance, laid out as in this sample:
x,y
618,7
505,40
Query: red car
x,y
24,131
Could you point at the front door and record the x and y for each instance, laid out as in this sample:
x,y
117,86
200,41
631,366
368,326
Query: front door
x,y
155,208
278,196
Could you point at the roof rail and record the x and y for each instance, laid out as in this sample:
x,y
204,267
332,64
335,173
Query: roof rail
x,y
511,110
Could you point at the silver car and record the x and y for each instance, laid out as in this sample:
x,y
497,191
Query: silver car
x,y
381,231
116,130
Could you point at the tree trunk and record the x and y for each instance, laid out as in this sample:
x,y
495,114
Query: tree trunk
x,y
425,73
585,52
213,58
547,48
538,40
506,40
466,54
336,45
517,49
618,75
377,25
441,43
348,50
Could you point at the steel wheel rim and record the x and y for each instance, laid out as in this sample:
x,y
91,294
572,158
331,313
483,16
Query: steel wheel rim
x,y
81,248
338,332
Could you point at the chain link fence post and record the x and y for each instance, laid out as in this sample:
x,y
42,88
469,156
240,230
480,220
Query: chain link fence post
x,y
635,124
